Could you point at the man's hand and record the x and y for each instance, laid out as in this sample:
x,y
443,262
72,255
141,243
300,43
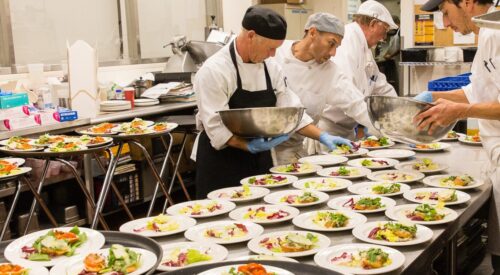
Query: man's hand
x,y
332,141
443,114
260,144
424,96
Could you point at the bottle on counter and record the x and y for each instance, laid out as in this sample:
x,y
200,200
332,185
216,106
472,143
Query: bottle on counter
x,y
119,94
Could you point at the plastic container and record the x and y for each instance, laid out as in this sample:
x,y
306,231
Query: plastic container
x,y
472,127
118,94
129,95
449,83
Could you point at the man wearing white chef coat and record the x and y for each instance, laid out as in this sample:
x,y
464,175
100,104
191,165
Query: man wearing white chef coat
x,y
316,79
238,77
480,99
354,57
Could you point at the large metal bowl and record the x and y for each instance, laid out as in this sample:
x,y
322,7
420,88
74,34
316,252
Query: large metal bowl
x,y
393,117
262,122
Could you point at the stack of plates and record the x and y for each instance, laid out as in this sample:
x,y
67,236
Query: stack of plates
x,y
115,105
146,102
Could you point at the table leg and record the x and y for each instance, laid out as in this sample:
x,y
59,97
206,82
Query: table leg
x,y
162,171
85,191
38,191
113,186
451,256
11,210
109,176
160,181
39,199
176,167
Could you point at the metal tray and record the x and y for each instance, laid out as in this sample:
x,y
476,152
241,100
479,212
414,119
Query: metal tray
x,y
296,268
118,137
42,154
114,237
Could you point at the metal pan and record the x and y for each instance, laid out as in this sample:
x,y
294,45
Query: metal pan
x,y
296,268
42,154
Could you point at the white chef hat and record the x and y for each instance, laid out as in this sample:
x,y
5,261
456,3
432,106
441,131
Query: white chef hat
x,y
376,10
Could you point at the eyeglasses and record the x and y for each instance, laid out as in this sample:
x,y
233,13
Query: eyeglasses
x,y
386,26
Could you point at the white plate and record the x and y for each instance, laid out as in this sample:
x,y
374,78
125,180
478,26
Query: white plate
x,y
170,127
139,102
116,109
442,146
318,181
398,213
239,213
114,103
365,188
358,153
264,258
79,148
391,143
15,161
327,172
464,141
5,142
146,123
311,168
306,220
22,170
197,233
289,179
34,149
226,206
254,244
362,231
106,141
379,176
183,221
323,258
453,138
13,253
339,202
357,163
34,270
324,160
462,197
225,269
216,251
225,194
391,153
435,181
75,265
408,166
275,197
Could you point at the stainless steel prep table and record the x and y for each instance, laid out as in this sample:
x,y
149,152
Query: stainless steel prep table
x,y
461,159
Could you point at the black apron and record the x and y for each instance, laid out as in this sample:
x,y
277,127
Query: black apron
x,y
217,169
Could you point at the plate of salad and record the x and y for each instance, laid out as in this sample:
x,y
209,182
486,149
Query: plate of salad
x,y
117,259
373,163
358,258
269,180
186,254
437,195
322,184
239,193
344,172
455,181
392,233
379,188
264,213
349,152
297,198
373,142
224,232
427,214
247,269
362,203
15,269
425,165
297,169
329,220
201,208
161,225
52,246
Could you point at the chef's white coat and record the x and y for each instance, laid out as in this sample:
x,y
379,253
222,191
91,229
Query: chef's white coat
x,y
215,82
485,87
356,61
316,85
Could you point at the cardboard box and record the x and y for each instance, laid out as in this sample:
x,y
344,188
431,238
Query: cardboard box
x,y
20,123
57,116
14,100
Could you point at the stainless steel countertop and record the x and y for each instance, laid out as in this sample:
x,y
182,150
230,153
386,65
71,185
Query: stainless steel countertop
x,y
461,159
116,116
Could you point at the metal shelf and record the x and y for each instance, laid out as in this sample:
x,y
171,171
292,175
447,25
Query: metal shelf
x,y
435,63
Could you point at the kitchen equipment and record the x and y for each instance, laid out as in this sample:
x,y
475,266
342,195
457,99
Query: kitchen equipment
x,y
188,56
488,20
140,87
414,55
262,122
115,105
393,117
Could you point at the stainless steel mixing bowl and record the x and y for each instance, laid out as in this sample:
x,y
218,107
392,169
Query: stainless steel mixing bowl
x,y
393,117
262,122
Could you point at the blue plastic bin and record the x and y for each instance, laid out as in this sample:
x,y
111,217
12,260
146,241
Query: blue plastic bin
x,y
449,83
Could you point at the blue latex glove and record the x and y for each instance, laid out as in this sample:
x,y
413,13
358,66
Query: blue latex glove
x,y
260,144
424,96
332,141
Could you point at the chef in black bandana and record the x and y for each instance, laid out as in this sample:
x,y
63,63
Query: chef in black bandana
x,y
238,76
